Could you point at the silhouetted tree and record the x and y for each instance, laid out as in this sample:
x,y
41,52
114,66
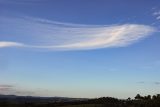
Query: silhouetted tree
x,y
138,97
154,97
128,98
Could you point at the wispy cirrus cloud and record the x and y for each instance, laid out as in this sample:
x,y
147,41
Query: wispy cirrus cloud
x,y
45,34
5,87
4,44
9,89
13,89
157,83
157,14
144,82
141,82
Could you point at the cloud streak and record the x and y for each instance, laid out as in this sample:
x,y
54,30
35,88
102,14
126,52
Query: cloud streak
x,y
45,34
157,83
4,44
5,87
12,89
157,14
144,82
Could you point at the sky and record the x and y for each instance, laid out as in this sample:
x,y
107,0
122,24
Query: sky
x,y
80,48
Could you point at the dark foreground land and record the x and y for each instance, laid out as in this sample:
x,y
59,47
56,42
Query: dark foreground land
x,y
28,101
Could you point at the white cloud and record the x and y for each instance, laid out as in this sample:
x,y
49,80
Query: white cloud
x,y
4,44
157,15
114,36
45,34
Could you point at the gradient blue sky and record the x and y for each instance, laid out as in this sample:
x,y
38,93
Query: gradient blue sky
x,y
117,68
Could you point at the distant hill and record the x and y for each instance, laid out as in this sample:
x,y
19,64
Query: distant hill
x,y
22,99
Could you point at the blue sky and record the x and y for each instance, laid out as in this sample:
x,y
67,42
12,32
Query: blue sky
x,y
79,48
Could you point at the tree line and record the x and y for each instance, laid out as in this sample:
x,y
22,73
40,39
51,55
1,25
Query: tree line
x,y
138,101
